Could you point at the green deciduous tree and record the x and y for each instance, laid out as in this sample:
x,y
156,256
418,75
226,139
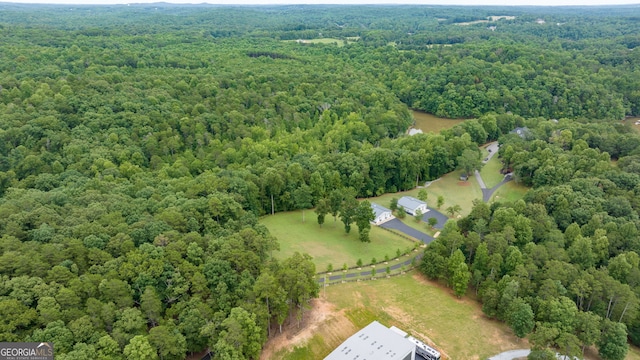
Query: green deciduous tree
x,y
612,344
363,217
322,209
240,337
469,161
520,318
168,341
459,274
140,348
303,198
151,305
348,212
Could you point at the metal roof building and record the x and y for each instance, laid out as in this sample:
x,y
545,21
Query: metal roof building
x,y
411,205
381,213
374,342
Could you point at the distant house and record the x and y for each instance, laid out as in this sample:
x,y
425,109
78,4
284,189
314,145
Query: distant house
x,y
382,214
412,205
523,132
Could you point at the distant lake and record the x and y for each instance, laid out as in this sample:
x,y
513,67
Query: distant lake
x,y
431,123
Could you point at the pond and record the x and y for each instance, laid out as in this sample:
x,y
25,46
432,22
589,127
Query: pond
x,y
431,123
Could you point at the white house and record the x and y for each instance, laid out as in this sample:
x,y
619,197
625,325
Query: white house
x,y
382,214
412,205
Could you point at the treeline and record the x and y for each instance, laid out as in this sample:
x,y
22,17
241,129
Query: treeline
x,y
560,266
102,275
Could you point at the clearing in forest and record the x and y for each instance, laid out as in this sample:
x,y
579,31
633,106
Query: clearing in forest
x,y
456,327
330,244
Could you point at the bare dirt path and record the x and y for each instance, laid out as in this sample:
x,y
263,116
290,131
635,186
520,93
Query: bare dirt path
x,y
321,312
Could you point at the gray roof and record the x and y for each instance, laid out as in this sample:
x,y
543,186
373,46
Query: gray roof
x,y
523,132
410,202
374,342
378,210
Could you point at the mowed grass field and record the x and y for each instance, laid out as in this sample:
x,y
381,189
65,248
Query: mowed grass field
x,y
454,192
330,244
456,327
510,192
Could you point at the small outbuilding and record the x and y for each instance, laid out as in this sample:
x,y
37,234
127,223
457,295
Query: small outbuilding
x,y
373,342
381,213
412,205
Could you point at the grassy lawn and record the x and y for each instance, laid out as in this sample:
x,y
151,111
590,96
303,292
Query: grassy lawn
x,y
509,192
329,244
633,354
490,172
454,192
420,226
431,123
339,42
456,327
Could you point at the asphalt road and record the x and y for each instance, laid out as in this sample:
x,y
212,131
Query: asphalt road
x,y
402,227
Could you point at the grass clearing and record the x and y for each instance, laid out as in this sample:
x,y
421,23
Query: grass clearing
x,y
425,309
456,327
455,192
506,17
510,192
335,41
490,172
633,354
329,244
431,123
471,22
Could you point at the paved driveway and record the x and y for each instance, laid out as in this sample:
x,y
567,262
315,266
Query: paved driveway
x,y
512,354
493,149
433,213
402,227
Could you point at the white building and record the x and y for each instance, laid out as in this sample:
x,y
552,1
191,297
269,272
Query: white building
x,y
412,205
373,342
378,342
382,214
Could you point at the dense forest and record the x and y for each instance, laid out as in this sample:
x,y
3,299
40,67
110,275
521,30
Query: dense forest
x,y
139,145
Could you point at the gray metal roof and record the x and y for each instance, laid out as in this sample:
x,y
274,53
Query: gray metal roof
x,y
409,202
378,210
374,342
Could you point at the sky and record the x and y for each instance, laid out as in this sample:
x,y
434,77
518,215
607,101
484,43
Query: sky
x,y
423,2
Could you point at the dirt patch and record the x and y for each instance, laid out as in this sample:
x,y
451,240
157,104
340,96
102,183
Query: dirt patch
x,y
464,183
322,318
